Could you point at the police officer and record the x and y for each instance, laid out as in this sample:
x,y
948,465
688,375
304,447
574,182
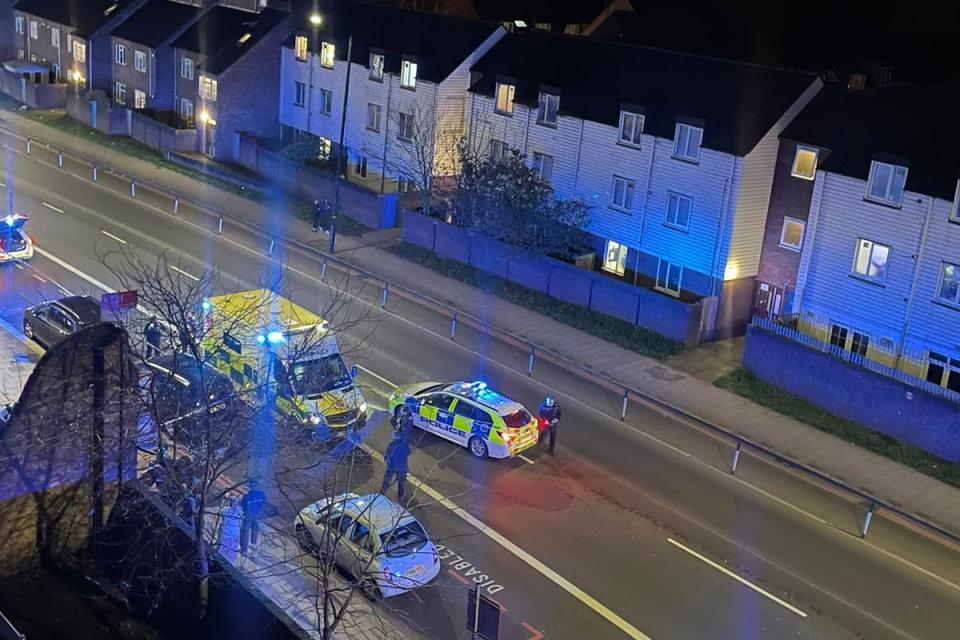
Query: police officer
x,y
252,505
402,423
321,215
152,334
396,457
550,413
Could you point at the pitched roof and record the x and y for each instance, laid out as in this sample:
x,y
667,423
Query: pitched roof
x,y
737,102
915,124
439,43
155,22
85,16
551,11
218,33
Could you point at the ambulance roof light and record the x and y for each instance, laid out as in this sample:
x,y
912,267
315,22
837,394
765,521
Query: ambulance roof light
x,y
276,336
261,338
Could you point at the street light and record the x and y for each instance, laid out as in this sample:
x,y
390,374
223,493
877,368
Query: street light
x,y
76,82
204,116
315,19
343,126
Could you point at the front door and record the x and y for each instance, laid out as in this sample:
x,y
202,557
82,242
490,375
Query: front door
x,y
761,306
211,140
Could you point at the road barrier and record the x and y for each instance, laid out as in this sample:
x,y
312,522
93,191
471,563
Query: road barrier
x,y
736,441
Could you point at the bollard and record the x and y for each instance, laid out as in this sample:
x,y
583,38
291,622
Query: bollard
x,y
383,299
323,271
736,458
133,189
176,206
94,173
270,250
530,361
866,521
28,146
220,226
60,160
453,326
623,409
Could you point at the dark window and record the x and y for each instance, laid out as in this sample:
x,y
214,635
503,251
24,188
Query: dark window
x,y
517,419
361,537
441,401
859,343
467,410
838,336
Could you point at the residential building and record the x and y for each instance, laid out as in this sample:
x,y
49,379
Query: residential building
x,y
143,60
674,153
74,43
875,197
409,74
227,75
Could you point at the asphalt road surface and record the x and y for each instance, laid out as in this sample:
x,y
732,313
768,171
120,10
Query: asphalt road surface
x,y
634,530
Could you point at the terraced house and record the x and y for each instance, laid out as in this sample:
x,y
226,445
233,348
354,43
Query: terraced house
x,y
409,74
674,154
864,223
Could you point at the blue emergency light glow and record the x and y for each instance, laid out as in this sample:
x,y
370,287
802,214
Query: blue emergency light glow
x,y
10,220
261,339
205,305
479,386
275,336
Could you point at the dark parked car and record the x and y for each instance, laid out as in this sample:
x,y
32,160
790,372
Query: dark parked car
x,y
176,385
48,323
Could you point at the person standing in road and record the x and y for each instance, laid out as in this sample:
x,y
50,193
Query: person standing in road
x,y
550,414
402,423
152,334
321,215
252,505
396,458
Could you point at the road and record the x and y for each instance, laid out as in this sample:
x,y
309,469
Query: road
x,y
635,529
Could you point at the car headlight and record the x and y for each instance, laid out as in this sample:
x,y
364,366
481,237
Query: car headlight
x,y
363,407
313,419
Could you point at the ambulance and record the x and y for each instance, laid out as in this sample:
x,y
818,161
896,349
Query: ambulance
x,y
266,343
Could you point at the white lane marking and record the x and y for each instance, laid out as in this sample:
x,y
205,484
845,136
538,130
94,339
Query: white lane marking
x,y
18,265
525,458
3,185
110,235
39,277
377,376
540,567
184,273
72,269
50,206
742,581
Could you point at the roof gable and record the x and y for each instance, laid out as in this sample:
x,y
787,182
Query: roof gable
x,y
86,16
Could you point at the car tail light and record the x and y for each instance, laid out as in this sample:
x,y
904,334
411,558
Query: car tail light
x,y
508,436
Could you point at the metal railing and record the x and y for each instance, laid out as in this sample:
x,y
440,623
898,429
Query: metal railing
x,y
457,317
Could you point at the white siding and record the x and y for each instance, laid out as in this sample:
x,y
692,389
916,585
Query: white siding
x,y
753,199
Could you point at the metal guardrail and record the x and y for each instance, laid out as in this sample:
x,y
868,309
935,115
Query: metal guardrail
x,y
457,316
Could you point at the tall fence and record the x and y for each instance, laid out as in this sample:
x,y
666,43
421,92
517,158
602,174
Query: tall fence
x,y
660,313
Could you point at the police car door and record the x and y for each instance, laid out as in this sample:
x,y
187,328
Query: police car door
x,y
434,414
463,415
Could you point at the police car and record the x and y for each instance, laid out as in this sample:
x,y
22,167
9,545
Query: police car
x,y
470,414
14,243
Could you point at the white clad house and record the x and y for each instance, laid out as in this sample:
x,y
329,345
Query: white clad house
x,y
879,274
407,94
674,153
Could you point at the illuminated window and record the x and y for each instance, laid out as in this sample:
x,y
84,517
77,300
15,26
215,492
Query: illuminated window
x,y
622,194
805,163
326,102
186,68
615,258
79,51
678,210
243,39
373,117
376,66
791,235
208,89
543,165
886,183
686,142
324,148
548,108
300,48
871,260
542,26
408,74
668,277
140,61
572,29
505,94
631,128
139,99
949,289
121,54
327,54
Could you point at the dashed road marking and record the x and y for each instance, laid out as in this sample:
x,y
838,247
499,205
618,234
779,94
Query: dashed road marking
x,y
110,235
525,458
742,581
39,277
184,273
51,207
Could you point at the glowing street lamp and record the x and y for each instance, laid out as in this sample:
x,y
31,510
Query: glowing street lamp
x,y
77,78
204,117
315,19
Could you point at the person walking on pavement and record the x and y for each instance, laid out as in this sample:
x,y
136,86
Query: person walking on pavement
x,y
252,505
152,334
396,458
321,215
550,414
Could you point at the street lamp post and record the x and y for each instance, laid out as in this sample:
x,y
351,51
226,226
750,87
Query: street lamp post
x,y
340,150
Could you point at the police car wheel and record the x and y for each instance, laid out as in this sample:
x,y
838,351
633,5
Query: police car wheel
x,y
27,329
304,539
477,447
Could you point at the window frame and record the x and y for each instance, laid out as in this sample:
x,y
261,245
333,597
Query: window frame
x,y
186,63
498,149
120,54
299,93
120,89
938,298
405,126
874,166
328,54
666,287
18,24
408,74
34,30
207,88
511,91
677,197
881,281
630,187
137,95
955,210
376,71
686,126
360,166
542,101
620,264
371,106
948,367
326,102
783,231
139,56
301,53
636,136
796,159
80,46
55,37
537,164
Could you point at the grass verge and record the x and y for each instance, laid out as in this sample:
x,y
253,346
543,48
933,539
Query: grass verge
x,y
624,334
744,383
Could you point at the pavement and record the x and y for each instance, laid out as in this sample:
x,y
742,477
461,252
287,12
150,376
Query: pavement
x,y
16,362
615,533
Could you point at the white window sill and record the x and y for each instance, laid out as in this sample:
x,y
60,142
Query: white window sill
x,y
544,123
869,280
949,305
803,177
677,227
508,114
884,203
669,292
685,159
620,209
790,247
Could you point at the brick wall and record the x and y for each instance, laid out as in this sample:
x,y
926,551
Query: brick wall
x,y
853,392
157,135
